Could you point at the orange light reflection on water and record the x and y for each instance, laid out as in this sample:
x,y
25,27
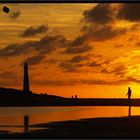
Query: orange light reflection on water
x,y
49,114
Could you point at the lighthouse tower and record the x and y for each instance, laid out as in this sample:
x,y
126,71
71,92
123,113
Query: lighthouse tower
x,y
26,88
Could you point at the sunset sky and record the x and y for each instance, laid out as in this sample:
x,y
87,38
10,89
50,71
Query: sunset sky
x,y
92,50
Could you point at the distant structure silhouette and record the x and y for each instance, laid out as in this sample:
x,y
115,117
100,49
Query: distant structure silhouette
x,y
26,88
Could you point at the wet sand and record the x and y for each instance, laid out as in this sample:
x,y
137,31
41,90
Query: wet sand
x,y
120,127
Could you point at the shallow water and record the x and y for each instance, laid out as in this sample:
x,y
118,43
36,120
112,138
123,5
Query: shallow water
x,y
18,119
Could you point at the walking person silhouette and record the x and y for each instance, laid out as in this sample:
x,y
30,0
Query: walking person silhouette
x,y
129,93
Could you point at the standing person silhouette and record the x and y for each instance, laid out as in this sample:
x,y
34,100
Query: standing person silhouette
x,y
129,93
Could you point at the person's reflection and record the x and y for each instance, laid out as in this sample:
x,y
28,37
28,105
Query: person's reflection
x,y
129,111
26,124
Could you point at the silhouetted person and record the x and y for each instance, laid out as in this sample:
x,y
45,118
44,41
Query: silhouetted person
x,y
75,96
72,97
26,124
129,93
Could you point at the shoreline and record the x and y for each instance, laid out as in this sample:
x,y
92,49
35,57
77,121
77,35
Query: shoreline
x,y
70,102
109,127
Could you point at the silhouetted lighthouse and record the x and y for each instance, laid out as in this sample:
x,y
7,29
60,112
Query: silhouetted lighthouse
x,y
26,88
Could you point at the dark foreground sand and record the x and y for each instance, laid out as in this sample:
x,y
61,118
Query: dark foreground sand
x,y
86,128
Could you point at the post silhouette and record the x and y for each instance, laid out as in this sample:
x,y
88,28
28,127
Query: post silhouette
x,y
26,124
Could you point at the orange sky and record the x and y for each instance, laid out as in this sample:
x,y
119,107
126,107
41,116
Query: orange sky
x,y
91,50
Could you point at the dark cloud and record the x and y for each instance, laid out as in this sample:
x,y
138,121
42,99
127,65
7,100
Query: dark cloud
x,y
78,49
78,61
52,61
77,81
80,40
99,24
125,80
131,79
106,62
134,27
15,49
98,61
78,46
78,58
104,13
74,82
129,11
34,60
32,31
119,70
47,44
94,64
66,66
86,82
103,33
52,40
73,64
15,14
100,14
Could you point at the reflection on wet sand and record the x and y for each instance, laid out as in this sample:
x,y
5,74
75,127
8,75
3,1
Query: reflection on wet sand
x,y
129,111
22,119
18,128
26,124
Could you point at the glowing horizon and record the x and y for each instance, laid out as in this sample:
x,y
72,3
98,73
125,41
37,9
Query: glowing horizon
x,y
91,50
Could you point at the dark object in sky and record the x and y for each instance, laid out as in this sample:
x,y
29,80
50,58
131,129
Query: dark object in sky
x,y
6,9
